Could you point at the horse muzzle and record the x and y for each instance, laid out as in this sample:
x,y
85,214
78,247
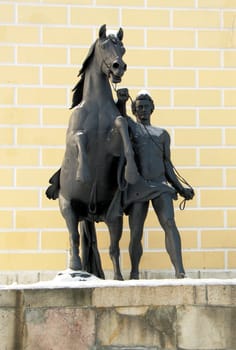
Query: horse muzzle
x,y
117,70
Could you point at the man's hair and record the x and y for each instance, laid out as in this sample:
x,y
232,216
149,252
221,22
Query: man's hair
x,y
142,97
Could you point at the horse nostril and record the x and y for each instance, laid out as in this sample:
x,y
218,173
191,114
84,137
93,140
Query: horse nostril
x,y
115,65
125,67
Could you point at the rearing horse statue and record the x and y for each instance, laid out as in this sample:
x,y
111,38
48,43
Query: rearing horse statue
x,y
97,138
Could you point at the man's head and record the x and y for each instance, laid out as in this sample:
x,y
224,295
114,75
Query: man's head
x,y
142,107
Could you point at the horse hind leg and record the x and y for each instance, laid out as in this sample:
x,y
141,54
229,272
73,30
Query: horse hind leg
x,y
74,237
115,229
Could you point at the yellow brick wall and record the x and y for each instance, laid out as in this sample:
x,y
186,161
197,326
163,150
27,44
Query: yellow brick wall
x,y
184,53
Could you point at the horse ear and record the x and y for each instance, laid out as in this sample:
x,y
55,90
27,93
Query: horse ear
x,y
120,34
102,31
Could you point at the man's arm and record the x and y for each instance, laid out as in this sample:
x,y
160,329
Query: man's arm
x,y
170,173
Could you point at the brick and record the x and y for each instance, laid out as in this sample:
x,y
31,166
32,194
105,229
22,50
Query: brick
x,y
214,39
41,136
42,15
196,58
176,117
13,115
56,240
42,55
218,157
216,78
145,17
106,261
6,96
33,261
67,36
155,239
230,137
18,240
196,19
95,16
120,3
230,58
161,98
184,157
33,176
19,74
77,55
199,218
199,136
218,239
171,3
69,2
6,177
42,96
203,260
170,38
197,98
134,77
216,4
19,156
231,218
203,177
147,57
149,261
231,260
6,136
230,98
56,116
230,177
171,77
18,198
217,117
34,219
6,219
52,156
6,13
134,38
229,19
218,198
6,54
19,34
60,76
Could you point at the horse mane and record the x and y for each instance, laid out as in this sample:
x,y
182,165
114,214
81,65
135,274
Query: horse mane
x,y
78,88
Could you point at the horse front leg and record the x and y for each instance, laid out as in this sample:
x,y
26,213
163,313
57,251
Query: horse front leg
x,y
72,225
115,229
82,173
131,171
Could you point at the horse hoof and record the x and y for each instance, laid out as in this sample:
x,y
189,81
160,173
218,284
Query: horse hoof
x,y
118,278
134,276
180,275
75,264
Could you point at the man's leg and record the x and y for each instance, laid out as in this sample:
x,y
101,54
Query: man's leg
x,y
163,206
137,216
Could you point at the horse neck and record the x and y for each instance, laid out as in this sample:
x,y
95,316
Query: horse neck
x,y
96,85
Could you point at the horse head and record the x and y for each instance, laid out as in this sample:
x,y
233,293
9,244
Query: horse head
x,y
111,51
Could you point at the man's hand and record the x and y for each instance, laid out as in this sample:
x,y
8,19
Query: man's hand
x,y
123,94
187,193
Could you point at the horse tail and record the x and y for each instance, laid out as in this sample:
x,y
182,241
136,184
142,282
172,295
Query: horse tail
x,y
91,261
52,191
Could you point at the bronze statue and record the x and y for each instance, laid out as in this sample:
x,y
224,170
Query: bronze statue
x,y
97,138
158,182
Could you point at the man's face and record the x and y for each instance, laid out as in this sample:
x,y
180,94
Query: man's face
x,y
143,110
